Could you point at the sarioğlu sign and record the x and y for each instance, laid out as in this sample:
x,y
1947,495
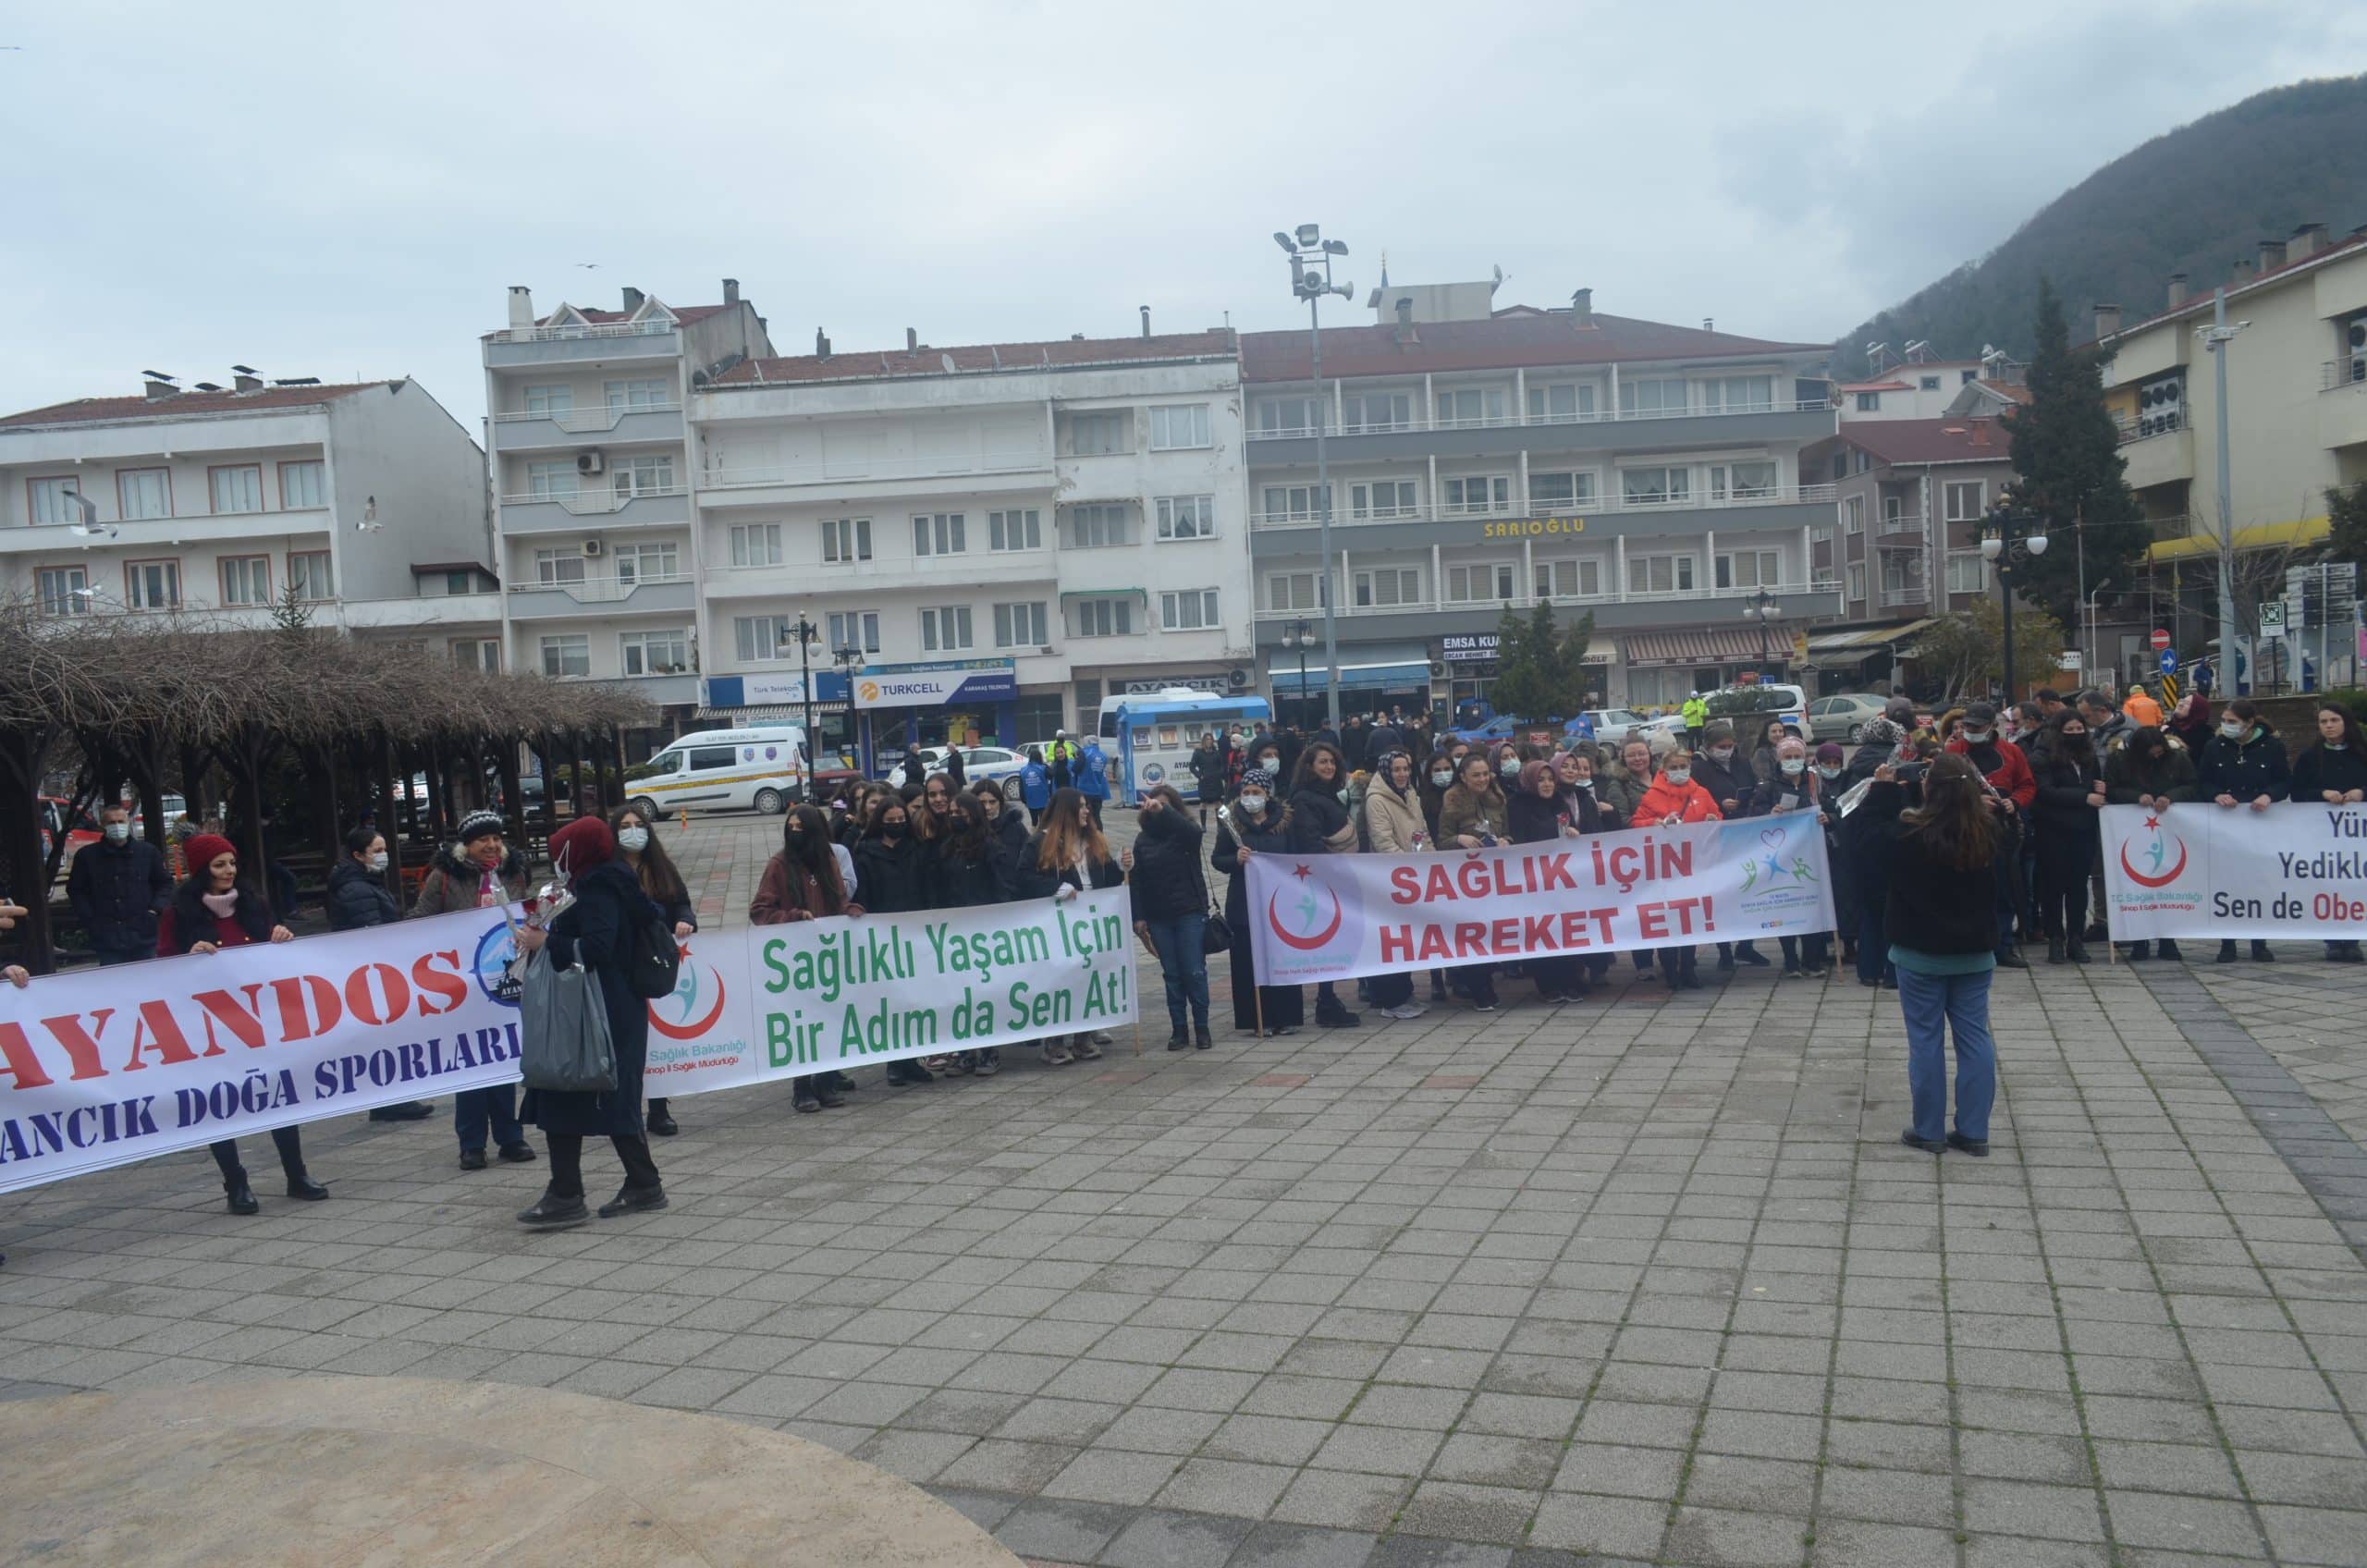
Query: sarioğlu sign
x,y
99,1069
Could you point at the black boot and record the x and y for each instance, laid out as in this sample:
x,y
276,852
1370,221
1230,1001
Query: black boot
x,y
1179,1041
241,1196
631,1199
472,1160
2140,952
2012,959
551,1209
660,1121
2054,950
408,1110
2227,953
2076,949
2260,953
301,1185
2168,950
1200,1040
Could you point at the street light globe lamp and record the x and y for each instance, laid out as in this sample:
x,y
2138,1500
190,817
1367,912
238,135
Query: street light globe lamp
x,y
1763,607
2004,551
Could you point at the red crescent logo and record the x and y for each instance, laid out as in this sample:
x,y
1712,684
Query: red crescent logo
x,y
692,1030
1304,944
2142,880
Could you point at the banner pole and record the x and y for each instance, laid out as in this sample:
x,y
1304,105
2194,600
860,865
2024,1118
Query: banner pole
x,y
1256,995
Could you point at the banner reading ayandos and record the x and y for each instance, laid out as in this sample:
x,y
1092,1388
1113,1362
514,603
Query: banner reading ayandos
x,y
103,1067
2237,874
1328,917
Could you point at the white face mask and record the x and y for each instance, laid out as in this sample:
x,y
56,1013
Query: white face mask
x,y
1441,778
1587,783
1794,765
378,860
1680,776
1509,767
1722,754
1825,770
2233,730
633,838
1253,804
1976,736
118,832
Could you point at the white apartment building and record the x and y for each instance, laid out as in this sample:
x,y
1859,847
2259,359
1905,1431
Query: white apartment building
x,y
368,499
1481,459
590,474
988,539
1918,388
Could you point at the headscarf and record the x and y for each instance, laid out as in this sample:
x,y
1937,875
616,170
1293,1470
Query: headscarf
x,y
583,844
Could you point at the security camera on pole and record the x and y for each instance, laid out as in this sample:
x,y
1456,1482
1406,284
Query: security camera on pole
x,y
1308,251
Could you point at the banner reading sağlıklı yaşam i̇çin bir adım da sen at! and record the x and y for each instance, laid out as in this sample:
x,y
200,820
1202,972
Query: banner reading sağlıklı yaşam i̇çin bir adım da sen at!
x,y
1331,917
2236,874
103,1067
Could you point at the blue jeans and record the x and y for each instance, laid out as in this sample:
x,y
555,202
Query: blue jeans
x,y
1186,967
1935,1006
1874,950
473,1108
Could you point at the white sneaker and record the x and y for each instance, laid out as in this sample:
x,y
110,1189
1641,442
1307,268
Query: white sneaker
x,y
1409,1010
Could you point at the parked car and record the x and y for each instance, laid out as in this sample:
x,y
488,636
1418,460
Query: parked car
x,y
52,821
1844,717
997,763
1611,725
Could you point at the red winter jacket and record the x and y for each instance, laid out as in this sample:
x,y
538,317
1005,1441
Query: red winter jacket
x,y
2013,778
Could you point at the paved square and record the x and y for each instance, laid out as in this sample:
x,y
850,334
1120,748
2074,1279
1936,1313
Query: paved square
x,y
1637,1280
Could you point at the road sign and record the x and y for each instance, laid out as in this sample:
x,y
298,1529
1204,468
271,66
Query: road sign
x,y
2272,617
2160,638
2170,661
2069,662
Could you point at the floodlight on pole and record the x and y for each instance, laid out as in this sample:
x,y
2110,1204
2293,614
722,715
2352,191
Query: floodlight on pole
x,y
1311,280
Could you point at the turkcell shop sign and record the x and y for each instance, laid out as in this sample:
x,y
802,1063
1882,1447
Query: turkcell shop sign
x,y
951,683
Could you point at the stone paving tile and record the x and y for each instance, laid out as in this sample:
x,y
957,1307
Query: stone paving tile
x,y
1648,1282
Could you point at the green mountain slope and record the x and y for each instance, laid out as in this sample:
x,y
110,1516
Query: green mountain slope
x,y
2196,201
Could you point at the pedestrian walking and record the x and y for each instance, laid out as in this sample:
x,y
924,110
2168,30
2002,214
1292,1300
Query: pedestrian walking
x,y
1068,857
1093,777
1255,824
2333,771
638,848
1035,782
117,887
216,908
2243,765
1170,903
2070,792
805,880
1207,770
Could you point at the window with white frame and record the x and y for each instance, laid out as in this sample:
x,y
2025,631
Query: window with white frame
x,y
1292,503
1742,482
1015,531
246,580
1097,526
1738,395
1382,498
1174,426
1858,579
47,499
143,492
550,479
945,628
1894,508
153,585
304,485
1964,500
1561,402
1024,625
641,392
1869,403
312,574
1929,383
1099,434
646,475
1550,490
1822,536
1290,416
756,544
1575,579
1101,618
1293,590
940,533
1660,574
1378,411
1188,610
1967,572
648,563
655,653
1649,397
1853,513
1750,569
64,590
1383,586
1475,493
1656,487
1187,517
855,628
478,653
846,539
1467,406
550,399
558,565
236,489
566,654
1481,582
756,639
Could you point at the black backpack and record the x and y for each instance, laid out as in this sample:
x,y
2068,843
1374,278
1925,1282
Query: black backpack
x,y
652,964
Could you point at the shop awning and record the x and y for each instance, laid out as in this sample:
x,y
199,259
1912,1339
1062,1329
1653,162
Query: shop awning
x,y
2298,535
1369,666
1708,645
1601,650
791,713
1865,641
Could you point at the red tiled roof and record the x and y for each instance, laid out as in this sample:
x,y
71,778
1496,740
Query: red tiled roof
x,y
1914,442
1061,353
2201,300
183,405
1513,337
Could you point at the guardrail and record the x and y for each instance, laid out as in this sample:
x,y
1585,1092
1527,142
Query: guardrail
x,y
1530,601
606,590
2337,374
836,472
1509,421
596,503
1771,495
567,331
587,422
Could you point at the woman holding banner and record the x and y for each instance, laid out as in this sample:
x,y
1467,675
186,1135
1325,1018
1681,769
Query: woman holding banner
x,y
1255,824
1067,856
2243,765
1394,825
637,846
479,871
2069,833
804,881
1322,824
892,863
2333,772
1474,817
214,909
2151,771
1793,787
1535,814
1675,800
970,868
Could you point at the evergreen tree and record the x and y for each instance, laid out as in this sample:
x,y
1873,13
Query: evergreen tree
x,y
1541,667
2067,468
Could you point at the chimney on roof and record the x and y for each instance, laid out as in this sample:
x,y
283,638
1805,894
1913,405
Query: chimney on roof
x,y
1076,336
821,345
912,339
1404,331
2107,320
632,299
2271,254
2177,290
521,307
1980,432
1709,323
1582,307
2242,273
245,383
2307,241
1145,311
156,386
730,291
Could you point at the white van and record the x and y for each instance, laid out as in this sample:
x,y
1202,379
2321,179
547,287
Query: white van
x,y
723,770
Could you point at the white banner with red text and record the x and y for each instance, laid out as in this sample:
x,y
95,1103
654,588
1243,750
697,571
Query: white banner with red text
x,y
2237,874
103,1067
1331,917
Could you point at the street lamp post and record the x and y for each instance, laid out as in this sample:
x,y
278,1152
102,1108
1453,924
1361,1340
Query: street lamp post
x,y
1301,636
806,634
1310,256
850,662
1763,608
2003,552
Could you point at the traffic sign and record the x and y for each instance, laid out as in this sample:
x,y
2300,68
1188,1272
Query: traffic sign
x,y
2170,661
2160,638
2272,617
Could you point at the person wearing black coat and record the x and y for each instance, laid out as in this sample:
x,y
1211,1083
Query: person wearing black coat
x,y
357,896
1792,786
1255,824
2068,832
638,848
594,932
969,866
1723,768
2243,765
1320,825
1170,899
1066,858
2333,772
2150,770
893,870
1534,813
117,887
1207,770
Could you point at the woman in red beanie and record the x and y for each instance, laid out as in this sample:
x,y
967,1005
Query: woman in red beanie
x,y
594,931
212,910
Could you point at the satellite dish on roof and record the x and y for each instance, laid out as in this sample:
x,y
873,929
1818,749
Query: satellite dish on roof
x,y
947,360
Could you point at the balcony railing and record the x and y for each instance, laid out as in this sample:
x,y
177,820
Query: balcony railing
x,y
567,331
1891,596
597,503
2145,429
587,422
834,470
1768,495
2337,374
1509,421
609,589
1530,601
1905,523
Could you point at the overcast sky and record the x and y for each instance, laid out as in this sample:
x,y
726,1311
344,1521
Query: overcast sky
x,y
332,188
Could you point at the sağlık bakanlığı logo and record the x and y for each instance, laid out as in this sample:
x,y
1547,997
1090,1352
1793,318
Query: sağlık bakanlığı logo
x,y
2161,854
696,1003
1308,915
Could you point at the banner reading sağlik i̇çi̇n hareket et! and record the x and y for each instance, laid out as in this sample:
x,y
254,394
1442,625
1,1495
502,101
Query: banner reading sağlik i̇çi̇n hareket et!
x,y
1330,917
2236,874
100,1068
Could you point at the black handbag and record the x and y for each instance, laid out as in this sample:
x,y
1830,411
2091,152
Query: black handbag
x,y
1216,937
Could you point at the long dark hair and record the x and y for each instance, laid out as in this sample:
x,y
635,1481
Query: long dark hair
x,y
1953,822
2349,724
659,878
969,837
1303,776
815,860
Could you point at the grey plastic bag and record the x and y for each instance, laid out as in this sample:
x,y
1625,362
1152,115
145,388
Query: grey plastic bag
x,y
563,1030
